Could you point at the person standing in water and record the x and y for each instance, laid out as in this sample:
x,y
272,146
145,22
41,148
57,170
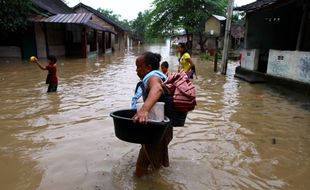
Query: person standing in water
x,y
185,61
51,79
152,155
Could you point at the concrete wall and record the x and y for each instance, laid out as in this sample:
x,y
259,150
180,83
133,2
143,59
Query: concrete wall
x,y
40,40
273,28
250,59
59,50
10,51
293,65
56,39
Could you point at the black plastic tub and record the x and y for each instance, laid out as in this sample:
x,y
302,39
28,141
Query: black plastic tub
x,y
126,130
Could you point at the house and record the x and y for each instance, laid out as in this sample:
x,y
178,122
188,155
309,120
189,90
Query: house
x,y
57,29
69,33
276,39
23,44
180,38
120,38
215,30
215,26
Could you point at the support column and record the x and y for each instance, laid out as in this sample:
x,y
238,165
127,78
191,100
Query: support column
x,y
110,40
227,35
103,42
84,42
95,40
46,40
302,27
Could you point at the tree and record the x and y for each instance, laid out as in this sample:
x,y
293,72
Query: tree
x,y
116,17
110,14
238,17
140,25
14,14
169,16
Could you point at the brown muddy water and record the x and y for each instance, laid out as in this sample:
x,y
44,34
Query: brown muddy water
x,y
240,136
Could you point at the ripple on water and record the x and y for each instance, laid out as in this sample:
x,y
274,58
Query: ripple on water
x,y
227,142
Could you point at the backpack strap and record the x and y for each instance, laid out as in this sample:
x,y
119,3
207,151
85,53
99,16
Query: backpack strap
x,y
139,84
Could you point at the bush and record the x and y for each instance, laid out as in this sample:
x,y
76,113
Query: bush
x,y
208,57
205,57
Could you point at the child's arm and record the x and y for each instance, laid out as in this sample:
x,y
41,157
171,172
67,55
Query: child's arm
x,y
39,65
189,60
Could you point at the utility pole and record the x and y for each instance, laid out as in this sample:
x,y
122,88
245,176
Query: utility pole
x,y
227,35
215,56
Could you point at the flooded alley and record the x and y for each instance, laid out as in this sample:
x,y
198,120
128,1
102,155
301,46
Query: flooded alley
x,y
240,136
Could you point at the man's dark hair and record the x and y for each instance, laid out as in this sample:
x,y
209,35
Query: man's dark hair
x,y
152,59
52,58
184,47
165,64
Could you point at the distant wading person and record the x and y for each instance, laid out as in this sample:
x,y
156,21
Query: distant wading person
x,y
164,68
154,155
51,79
185,61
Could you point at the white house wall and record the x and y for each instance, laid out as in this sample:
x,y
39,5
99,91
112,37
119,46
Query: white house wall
x,y
250,59
40,40
293,65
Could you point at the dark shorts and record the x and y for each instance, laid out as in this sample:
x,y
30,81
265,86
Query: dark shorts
x,y
52,88
179,118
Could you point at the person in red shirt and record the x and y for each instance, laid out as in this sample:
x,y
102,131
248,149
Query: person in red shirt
x,y
51,78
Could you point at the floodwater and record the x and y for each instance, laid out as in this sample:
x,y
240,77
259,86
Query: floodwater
x,y
240,136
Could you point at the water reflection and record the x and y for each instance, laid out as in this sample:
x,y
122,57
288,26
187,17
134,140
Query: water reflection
x,y
240,136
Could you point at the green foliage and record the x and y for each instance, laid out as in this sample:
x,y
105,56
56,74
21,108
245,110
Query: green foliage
x,y
140,24
168,17
171,15
14,14
219,55
116,17
238,17
110,14
141,27
205,57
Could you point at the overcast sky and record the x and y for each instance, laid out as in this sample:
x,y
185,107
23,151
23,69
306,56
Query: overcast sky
x,y
128,9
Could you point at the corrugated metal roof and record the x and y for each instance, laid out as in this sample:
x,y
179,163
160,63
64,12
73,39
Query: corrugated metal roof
x,y
78,18
100,15
98,27
220,18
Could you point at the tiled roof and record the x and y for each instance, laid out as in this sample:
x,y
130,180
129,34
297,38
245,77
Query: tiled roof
x,y
52,6
100,15
259,4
